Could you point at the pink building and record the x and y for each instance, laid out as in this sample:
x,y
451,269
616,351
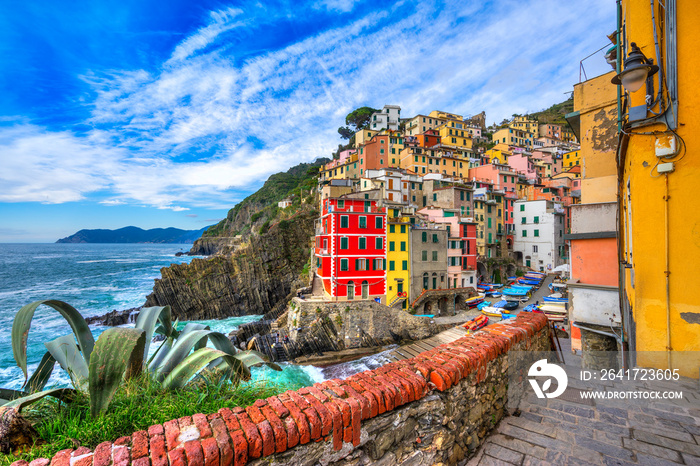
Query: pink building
x,y
345,155
521,163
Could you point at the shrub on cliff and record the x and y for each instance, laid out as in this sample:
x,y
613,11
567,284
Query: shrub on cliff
x,y
97,369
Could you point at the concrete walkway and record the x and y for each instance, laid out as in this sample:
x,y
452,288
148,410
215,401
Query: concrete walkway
x,y
572,430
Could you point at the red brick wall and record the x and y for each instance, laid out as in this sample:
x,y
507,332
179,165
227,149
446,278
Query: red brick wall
x,y
332,411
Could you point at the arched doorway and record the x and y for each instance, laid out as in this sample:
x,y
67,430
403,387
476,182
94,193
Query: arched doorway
x,y
351,290
365,289
481,271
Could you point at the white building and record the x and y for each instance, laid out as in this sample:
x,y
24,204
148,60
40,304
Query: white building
x,y
539,234
283,204
388,117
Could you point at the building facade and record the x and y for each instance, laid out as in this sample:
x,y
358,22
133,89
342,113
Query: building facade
x,y
539,234
350,249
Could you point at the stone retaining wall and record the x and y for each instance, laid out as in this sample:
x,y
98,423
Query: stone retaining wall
x,y
436,407
352,318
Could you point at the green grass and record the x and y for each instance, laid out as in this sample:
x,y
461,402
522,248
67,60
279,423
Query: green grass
x,y
138,404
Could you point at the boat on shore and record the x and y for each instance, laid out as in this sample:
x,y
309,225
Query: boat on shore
x,y
497,312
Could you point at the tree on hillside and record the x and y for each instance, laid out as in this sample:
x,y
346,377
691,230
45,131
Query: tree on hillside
x,y
345,132
360,117
356,120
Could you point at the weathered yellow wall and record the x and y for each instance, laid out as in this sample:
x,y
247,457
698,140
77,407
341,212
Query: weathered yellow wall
x,y
601,189
648,295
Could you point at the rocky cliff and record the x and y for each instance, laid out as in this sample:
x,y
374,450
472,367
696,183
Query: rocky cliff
x,y
257,272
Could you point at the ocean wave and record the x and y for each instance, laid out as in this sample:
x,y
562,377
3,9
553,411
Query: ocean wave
x,y
121,261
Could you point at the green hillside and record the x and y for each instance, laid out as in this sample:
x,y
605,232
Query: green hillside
x,y
258,209
555,114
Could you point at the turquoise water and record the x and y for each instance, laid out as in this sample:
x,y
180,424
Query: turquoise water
x,y
99,278
95,279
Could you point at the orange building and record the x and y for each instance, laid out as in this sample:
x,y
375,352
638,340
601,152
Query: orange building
x,y
594,309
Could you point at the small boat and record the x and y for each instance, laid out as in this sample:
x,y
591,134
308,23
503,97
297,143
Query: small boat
x,y
519,293
474,301
530,308
476,323
557,287
521,287
494,312
549,299
507,305
553,309
483,304
493,294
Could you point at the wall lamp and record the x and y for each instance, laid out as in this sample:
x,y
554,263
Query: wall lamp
x,y
637,69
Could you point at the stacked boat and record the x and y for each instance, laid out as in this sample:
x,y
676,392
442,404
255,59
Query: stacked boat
x,y
532,278
554,311
490,290
516,292
501,309
476,323
475,301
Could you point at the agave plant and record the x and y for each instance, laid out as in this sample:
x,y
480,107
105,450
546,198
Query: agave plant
x,y
98,368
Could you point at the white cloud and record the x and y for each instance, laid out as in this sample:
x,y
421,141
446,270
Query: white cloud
x,y
207,124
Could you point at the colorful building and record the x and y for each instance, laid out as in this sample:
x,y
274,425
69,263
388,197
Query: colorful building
x,y
421,123
398,256
488,214
513,137
387,118
571,159
428,257
593,287
657,176
539,235
523,123
350,249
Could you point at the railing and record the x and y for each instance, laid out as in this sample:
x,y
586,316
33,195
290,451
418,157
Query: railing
x,y
397,299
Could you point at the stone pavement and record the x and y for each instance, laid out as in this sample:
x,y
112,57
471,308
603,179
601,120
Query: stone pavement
x,y
572,430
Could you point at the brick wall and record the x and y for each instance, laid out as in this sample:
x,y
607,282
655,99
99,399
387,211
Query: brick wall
x,y
436,407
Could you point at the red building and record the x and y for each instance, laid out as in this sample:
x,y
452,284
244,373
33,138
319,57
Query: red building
x,y
469,254
467,231
351,249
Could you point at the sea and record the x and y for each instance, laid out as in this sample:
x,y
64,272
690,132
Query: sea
x,y
99,278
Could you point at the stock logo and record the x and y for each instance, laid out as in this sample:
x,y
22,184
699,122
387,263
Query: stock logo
x,y
542,368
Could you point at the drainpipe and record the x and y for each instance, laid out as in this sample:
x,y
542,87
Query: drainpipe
x,y
619,63
622,151
667,272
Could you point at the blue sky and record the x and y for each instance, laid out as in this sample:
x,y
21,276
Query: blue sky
x,y
157,114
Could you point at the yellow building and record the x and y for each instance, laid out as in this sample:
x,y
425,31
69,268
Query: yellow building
x,y
569,159
454,134
488,214
523,123
658,173
363,136
513,137
419,124
398,258
336,171
499,153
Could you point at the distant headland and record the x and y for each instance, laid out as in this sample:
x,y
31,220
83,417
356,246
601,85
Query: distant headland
x,y
133,234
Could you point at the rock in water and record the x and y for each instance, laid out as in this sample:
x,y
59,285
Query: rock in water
x,y
16,433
